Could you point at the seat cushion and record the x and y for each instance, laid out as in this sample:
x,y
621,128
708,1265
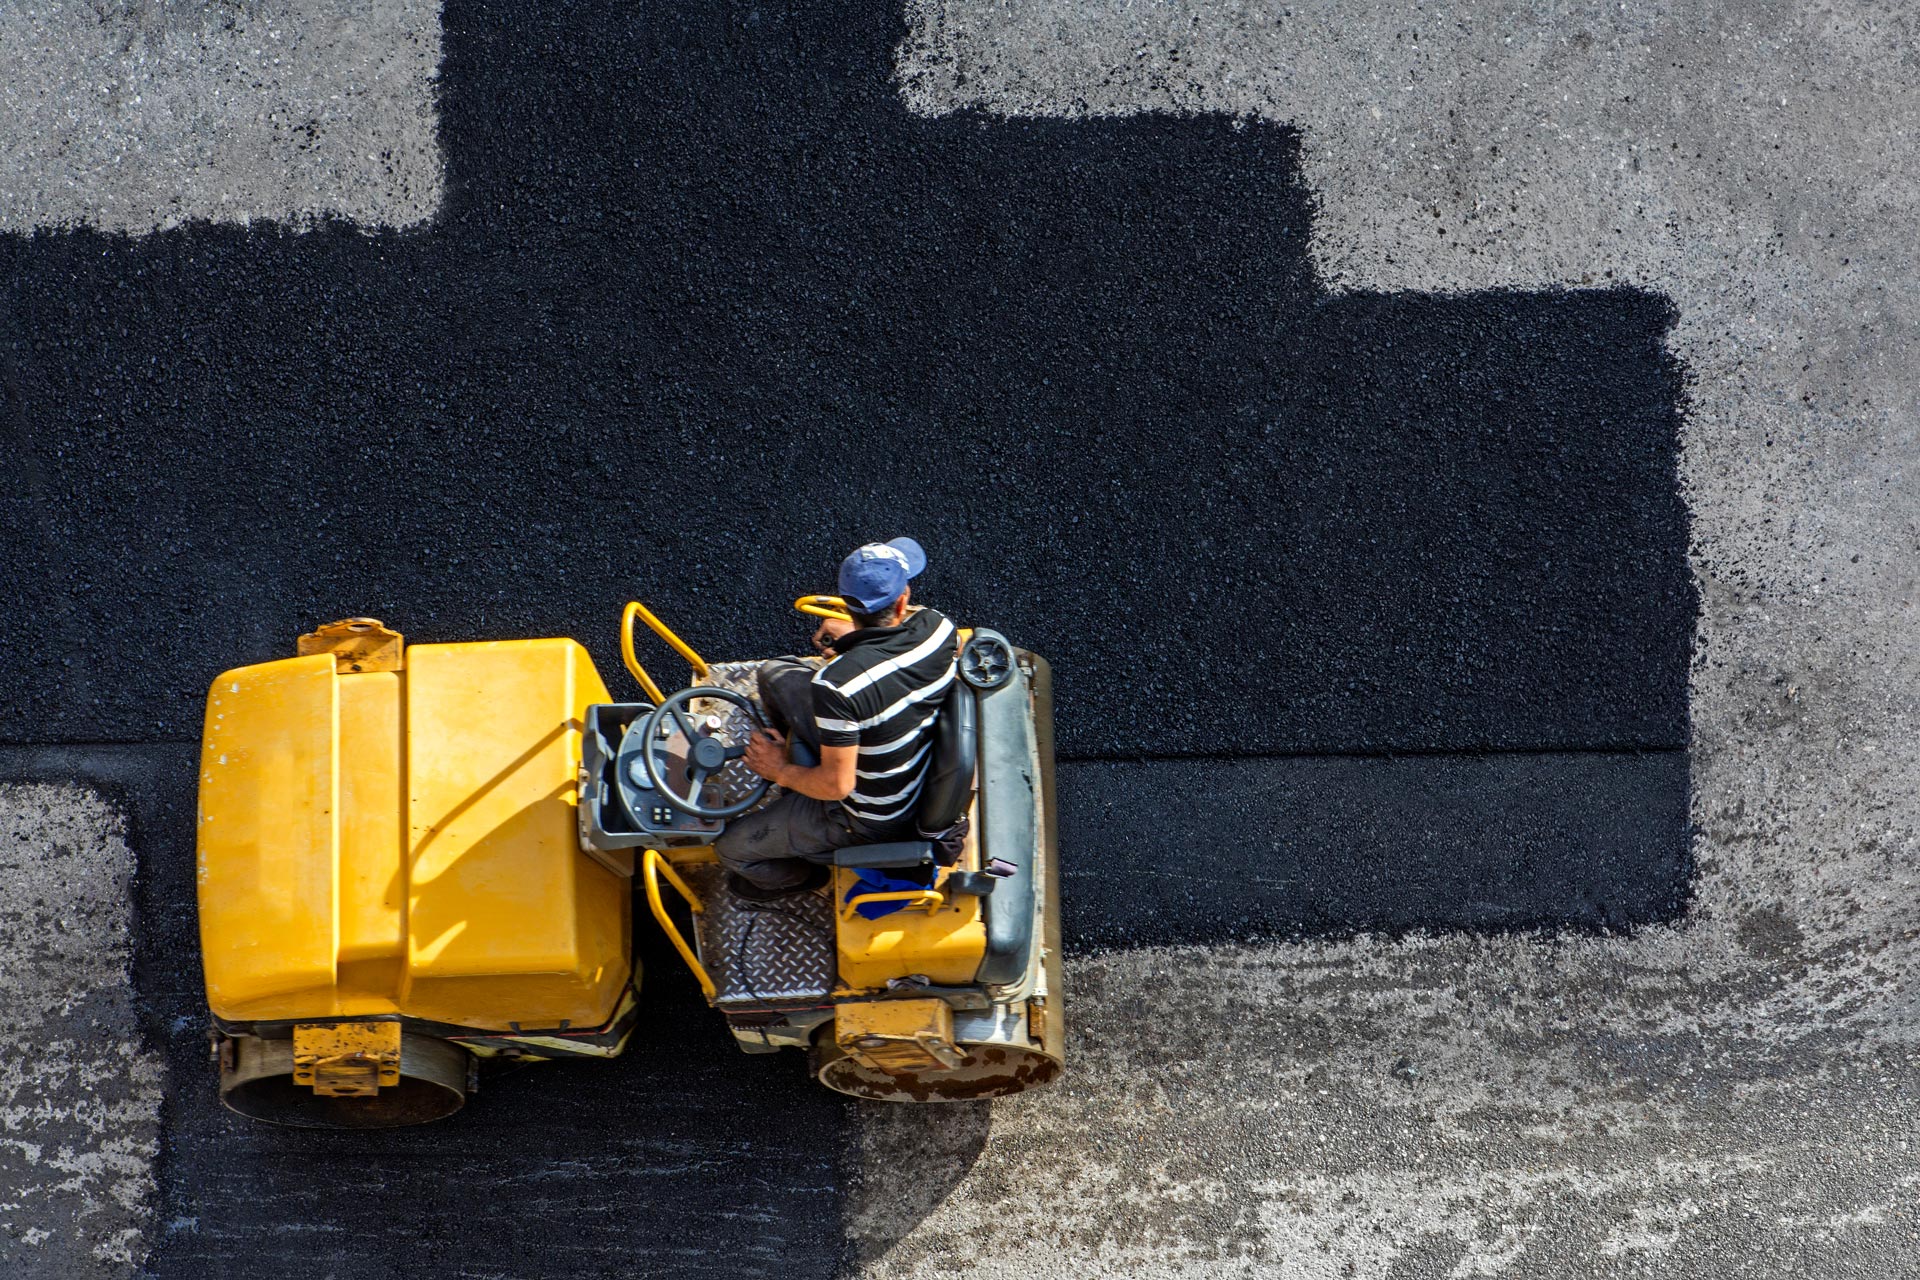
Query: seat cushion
x,y
898,853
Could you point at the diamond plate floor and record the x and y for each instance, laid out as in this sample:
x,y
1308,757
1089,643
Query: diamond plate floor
x,y
762,953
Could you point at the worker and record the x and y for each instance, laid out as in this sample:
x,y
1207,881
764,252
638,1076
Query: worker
x,y
862,723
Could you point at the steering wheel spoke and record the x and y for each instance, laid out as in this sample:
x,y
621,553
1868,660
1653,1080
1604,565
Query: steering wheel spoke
x,y
705,757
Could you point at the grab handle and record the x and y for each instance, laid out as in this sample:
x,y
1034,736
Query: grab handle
x,y
931,899
654,866
637,610
824,607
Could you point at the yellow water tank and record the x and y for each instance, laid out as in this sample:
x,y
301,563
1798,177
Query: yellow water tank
x,y
405,842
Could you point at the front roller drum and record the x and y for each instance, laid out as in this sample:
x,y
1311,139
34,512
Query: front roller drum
x,y
257,1080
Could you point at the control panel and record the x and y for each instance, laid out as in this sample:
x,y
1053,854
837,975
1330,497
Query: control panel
x,y
619,807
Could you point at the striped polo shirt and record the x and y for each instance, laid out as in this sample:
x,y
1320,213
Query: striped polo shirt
x,y
882,694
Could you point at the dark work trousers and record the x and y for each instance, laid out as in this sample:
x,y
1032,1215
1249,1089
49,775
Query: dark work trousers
x,y
778,846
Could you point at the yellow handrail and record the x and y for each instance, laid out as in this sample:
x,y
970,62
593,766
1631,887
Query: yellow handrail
x,y
824,607
930,898
636,609
653,865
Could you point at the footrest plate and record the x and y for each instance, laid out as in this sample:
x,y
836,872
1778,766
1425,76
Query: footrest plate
x,y
763,953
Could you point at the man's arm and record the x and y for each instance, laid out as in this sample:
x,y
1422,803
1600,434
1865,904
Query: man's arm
x,y
831,779
829,630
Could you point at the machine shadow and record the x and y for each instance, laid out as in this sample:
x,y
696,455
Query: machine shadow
x,y
901,1161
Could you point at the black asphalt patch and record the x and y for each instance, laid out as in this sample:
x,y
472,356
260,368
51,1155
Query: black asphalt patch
x,y
1175,853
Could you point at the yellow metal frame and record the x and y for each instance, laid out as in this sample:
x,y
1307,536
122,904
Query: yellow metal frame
x,y
346,1059
637,610
898,1037
824,607
653,865
407,843
944,940
931,899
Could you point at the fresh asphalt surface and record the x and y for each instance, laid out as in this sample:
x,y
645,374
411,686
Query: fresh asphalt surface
x,y
706,305
1367,611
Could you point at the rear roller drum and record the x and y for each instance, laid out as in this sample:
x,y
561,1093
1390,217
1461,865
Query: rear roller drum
x,y
256,1080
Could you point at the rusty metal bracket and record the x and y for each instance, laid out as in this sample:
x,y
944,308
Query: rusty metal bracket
x,y
357,644
1037,1019
898,1037
346,1059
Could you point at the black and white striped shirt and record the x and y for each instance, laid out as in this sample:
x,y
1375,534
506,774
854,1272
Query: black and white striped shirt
x,y
882,693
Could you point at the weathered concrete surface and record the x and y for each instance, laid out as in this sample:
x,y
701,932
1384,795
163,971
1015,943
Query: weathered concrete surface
x,y
136,115
79,1094
1734,1096
1429,1109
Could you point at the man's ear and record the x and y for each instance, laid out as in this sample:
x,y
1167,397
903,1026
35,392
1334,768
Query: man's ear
x,y
903,604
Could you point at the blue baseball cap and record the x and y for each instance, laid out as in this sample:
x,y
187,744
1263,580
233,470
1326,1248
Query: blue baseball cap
x,y
874,576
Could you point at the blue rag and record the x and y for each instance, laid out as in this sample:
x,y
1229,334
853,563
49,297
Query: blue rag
x,y
870,880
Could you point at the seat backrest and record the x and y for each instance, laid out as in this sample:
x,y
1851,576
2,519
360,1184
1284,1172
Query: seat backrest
x,y
948,790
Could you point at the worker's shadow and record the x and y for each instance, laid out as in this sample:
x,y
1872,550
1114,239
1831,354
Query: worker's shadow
x,y
899,1165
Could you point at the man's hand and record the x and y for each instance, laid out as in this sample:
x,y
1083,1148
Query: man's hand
x,y
831,629
767,753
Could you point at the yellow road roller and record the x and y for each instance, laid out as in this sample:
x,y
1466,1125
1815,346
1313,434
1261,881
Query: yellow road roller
x,y
413,859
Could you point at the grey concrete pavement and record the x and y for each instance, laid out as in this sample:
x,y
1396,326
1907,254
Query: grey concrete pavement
x,y
1732,1096
79,1093
1426,1110
134,116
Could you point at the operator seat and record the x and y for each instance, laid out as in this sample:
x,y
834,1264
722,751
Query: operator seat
x,y
948,788
945,795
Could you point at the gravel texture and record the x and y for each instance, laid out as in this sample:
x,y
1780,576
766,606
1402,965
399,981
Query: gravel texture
x,y
79,1089
137,115
675,252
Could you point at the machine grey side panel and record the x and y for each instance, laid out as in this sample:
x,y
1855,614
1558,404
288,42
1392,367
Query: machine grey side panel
x,y
1009,772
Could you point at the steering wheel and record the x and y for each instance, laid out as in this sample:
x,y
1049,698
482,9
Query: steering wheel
x,y
706,755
